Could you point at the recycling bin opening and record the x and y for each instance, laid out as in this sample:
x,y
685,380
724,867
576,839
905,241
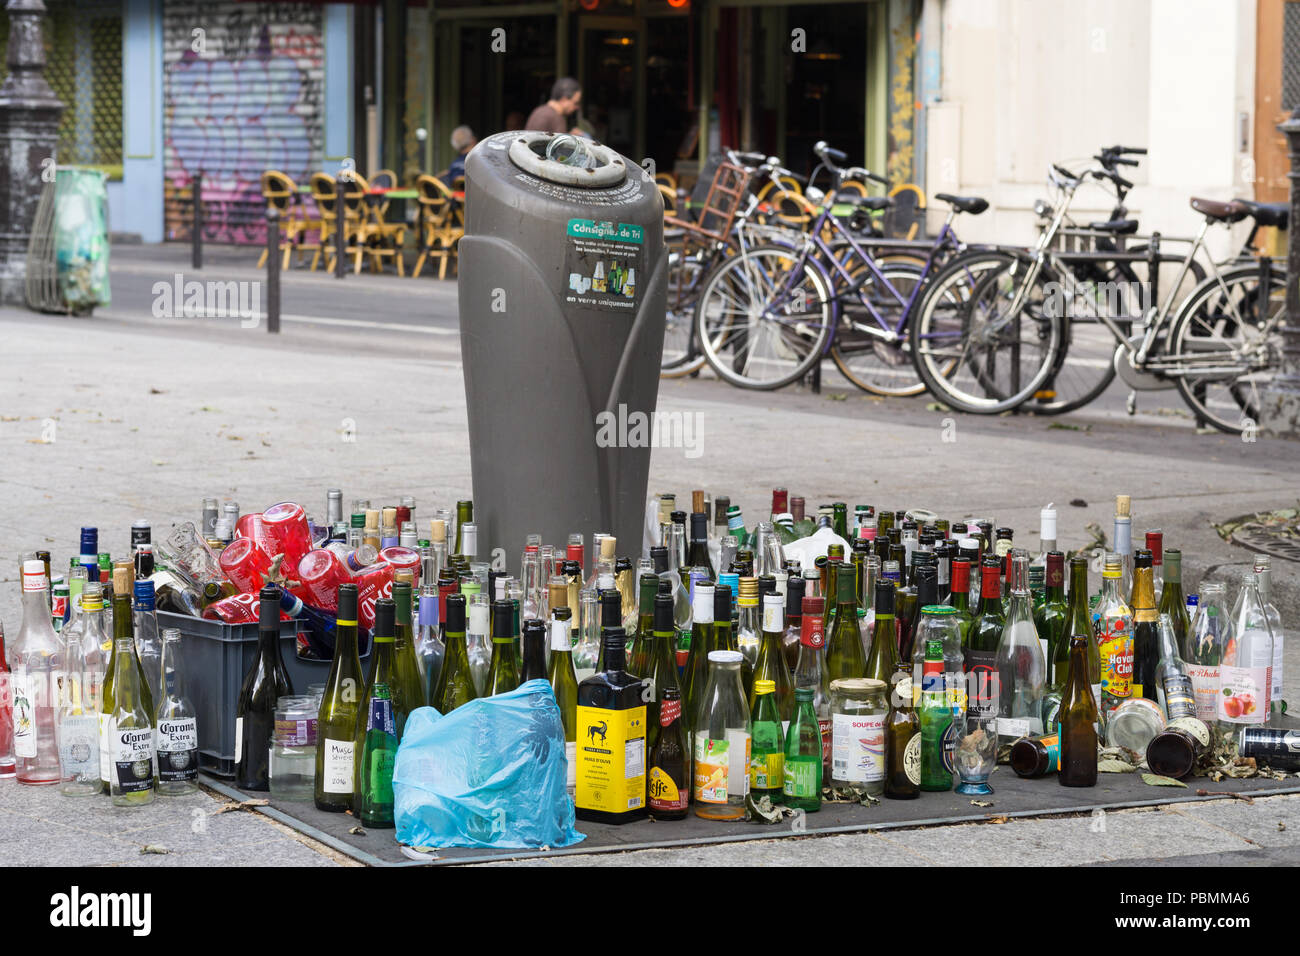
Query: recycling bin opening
x,y
562,296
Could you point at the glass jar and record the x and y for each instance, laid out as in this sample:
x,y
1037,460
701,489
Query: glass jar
x,y
858,710
293,748
1134,724
721,743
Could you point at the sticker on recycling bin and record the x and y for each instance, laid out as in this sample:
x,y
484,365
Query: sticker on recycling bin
x,y
602,264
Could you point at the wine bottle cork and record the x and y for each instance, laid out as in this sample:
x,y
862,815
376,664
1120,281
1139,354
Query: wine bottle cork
x,y
437,530
697,501
390,518
122,582
372,519
608,544
1122,504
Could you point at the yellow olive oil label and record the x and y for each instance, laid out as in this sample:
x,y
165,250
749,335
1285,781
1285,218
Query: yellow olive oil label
x,y
610,771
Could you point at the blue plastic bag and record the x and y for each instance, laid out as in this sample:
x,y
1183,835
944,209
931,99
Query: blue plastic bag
x,y
489,774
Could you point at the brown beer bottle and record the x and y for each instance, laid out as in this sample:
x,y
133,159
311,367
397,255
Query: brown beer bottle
x,y
669,786
902,737
1078,721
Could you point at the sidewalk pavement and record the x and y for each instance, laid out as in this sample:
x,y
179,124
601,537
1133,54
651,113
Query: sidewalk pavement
x,y
105,420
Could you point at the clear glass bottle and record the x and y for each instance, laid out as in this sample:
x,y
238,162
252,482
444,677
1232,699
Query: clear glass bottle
x,y
1175,694
749,624
429,647
586,651
293,748
1245,674
78,729
6,713
96,642
1022,669
37,661
177,738
1264,577
721,742
1210,634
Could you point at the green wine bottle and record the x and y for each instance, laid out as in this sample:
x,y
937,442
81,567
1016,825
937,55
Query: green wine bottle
x,y
844,658
406,687
377,731
697,659
336,723
884,641
771,664
503,672
456,682
464,515
662,670
639,659
564,684
1050,618
989,616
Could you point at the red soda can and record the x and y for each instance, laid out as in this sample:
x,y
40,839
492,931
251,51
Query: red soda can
x,y
320,573
286,522
252,526
237,609
403,559
372,584
244,563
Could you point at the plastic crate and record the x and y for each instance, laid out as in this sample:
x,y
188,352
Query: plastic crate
x,y
215,656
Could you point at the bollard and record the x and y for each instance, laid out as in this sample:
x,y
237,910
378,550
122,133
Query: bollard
x,y
273,270
196,229
340,221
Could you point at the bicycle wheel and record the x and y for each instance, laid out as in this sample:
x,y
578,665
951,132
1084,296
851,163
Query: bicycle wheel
x,y
688,264
871,362
972,351
1085,366
1228,346
759,325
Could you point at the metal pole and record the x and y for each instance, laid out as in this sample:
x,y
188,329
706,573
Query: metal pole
x,y
1280,404
273,270
340,220
196,229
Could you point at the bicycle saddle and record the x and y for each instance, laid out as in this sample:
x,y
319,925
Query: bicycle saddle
x,y
873,203
1230,211
1116,227
971,204
1266,213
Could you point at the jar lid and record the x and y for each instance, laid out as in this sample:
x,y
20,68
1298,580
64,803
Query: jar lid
x,y
726,657
763,686
859,685
1134,723
938,610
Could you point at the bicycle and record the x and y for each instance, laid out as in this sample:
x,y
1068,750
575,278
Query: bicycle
x,y
768,315
1039,290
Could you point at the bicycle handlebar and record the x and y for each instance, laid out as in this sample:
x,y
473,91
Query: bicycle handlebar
x,y
823,150
853,171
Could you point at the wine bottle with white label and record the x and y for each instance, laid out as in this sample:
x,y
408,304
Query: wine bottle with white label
x,y
336,723
177,731
265,683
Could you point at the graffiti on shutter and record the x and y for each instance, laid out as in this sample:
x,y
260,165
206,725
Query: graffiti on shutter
x,y
242,87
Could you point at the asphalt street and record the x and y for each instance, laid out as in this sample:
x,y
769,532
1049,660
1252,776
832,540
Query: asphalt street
x,y
129,414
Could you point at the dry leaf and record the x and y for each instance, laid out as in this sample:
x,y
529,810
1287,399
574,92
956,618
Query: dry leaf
x,y
1156,780
999,819
981,803
153,848
1113,765
357,831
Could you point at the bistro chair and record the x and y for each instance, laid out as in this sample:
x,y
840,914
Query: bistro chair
x,y
442,221
377,237
326,198
282,193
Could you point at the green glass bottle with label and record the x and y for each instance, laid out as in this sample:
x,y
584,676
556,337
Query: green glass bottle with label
x,y
377,733
802,770
767,748
336,722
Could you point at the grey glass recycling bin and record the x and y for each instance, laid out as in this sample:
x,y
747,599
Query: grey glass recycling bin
x,y
562,296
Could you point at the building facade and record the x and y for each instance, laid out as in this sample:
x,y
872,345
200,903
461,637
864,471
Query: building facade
x,y
973,96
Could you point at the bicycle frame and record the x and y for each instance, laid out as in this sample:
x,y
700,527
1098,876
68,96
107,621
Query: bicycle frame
x,y
813,243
